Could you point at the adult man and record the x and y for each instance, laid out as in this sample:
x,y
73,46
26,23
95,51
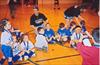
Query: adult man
x,y
37,19
72,12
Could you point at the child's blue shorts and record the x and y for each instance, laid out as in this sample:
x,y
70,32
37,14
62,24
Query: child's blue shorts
x,y
7,51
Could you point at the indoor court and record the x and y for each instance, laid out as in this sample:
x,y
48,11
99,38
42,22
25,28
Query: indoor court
x,y
57,54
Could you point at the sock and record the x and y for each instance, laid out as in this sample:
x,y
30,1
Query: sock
x,y
31,53
10,63
15,58
2,61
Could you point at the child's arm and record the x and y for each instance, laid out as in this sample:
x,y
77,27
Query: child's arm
x,y
88,34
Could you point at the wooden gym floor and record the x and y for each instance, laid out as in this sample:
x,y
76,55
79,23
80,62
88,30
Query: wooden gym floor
x,y
57,54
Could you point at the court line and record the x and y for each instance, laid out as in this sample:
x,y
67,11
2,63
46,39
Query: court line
x,y
32,62
57,58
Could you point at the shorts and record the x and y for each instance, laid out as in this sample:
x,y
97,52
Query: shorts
x,y
7,51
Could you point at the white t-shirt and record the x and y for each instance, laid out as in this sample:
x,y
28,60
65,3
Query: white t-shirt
x,y
16,49
6,37
27,45
41,41
76,36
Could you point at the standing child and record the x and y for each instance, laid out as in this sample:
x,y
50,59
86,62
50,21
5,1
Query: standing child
x,y
27,47
16,48
49,34
6,42
41,42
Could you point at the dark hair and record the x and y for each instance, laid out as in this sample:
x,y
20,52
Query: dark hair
x,y
95,34
61,25
77,27
82,22
36,7
72,23
14,35
3,22
39,29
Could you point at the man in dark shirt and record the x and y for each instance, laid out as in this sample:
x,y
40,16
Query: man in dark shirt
x,y
37,19
72,12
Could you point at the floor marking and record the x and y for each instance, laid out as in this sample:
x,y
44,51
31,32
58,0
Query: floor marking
x,y
57,58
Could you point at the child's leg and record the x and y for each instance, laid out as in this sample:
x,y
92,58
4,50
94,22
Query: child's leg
x,y
31,54
7,51
64,39
10,61
16,58
25,56
72,44
45,48
2,60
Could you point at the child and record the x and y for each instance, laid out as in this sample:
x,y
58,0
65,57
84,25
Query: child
x,y
49,34
17,32
76,36
62,33
72,26
82,24
84,30
6,42
16,48
41,42
27,47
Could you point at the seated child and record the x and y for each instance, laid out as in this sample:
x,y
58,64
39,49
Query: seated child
x,y
82,24
84,30
72,26
41,42
76,36
62,33
27,47
16,48
69,32
49,34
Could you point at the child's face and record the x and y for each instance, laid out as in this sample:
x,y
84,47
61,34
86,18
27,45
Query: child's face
x,y
78,30
48,26
8,25
14,38
25,38
41,31
62,28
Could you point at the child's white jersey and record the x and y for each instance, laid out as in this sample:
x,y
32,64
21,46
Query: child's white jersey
x,y
41,41
27,45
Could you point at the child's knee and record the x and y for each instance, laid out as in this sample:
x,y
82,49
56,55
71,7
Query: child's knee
x,y
10,59
4,57
65,39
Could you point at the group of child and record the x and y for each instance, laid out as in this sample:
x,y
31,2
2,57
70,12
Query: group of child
x,y
71,34
16,45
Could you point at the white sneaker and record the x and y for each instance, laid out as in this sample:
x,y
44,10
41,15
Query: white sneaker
x,y
26,57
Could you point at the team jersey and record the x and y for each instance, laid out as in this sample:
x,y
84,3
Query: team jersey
x,y
49,33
